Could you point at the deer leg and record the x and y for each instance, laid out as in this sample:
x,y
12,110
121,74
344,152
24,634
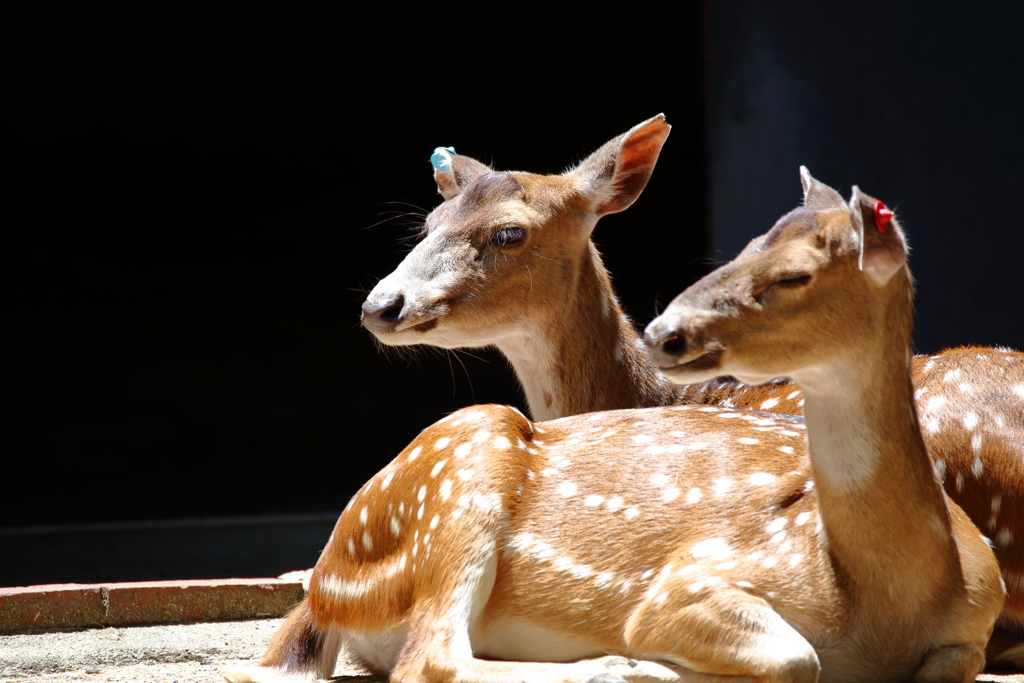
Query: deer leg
x,y
721,635
952,664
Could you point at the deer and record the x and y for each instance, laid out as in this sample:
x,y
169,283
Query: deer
x,y
496,549
507,260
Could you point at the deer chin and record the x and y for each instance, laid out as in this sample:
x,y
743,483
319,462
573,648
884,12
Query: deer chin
x,y
403,334
704,367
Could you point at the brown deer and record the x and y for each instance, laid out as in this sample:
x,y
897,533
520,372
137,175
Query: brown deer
x,y
492,538
507,260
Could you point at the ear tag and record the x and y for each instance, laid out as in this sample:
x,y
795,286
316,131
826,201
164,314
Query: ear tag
x,y
883,216
440,161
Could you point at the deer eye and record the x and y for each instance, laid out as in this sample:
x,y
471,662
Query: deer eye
x,y
509,234
797,281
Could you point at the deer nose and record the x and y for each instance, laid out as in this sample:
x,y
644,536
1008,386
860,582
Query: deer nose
x,y
388,310
665,346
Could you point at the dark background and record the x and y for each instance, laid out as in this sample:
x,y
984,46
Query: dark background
x,y
201,196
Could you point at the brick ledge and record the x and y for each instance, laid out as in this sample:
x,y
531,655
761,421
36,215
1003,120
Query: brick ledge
x,y
75,605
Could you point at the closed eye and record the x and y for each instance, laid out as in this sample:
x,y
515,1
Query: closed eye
x,y
797,281
782,283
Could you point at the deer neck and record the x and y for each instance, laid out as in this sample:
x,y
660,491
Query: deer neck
x,y
885,517
582,354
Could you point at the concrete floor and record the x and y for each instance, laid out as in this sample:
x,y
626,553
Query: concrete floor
x,y
188,653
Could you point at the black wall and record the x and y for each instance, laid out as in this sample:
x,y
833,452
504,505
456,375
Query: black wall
x,y
202,196
920,104
205,196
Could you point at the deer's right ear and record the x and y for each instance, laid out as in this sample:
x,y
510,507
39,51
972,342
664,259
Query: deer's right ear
x,y
615,175
454,173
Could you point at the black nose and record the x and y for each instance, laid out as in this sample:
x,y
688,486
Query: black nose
x,y
389,310
667,345
675,345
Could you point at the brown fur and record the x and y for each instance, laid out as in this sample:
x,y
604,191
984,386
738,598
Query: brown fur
x,y
583,359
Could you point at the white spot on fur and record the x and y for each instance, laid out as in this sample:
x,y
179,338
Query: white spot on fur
x,y
936,402
713,548
976,442
802,518
566,489
351,548
364,515
770,403
971,420
776,524
786,449
693,496
643,438
670,494
761,478
415,453
722,486
593,500
977,467
615,503
442,442
1019,390
367,540
463,450
631,512
932,425
748,441
396,527
503,443
446,489
438,467
789,432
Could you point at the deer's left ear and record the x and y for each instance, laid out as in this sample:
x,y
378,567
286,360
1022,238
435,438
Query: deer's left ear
x,y
817,194
615,175
883,249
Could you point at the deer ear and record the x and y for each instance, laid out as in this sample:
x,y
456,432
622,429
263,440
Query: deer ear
x,y
818,194
615,175
454,173
883,249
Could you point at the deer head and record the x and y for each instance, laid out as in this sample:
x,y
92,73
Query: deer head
x,y
501,236
811,271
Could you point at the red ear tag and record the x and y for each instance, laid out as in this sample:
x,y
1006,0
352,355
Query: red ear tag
x,y
883,216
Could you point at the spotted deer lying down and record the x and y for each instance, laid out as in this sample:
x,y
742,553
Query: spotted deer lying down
x,y
507,260
684,543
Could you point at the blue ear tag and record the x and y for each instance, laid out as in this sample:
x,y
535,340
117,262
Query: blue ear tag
x,y
440,161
